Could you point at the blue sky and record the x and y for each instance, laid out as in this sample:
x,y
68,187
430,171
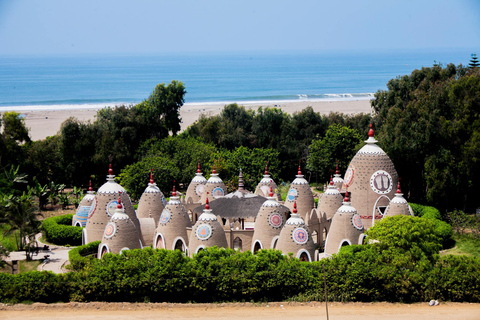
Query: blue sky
x,y
108,26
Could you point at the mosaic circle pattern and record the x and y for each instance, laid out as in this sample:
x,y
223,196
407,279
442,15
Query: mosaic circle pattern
x,y
204,231
218,192
275,220
349,175
292,194
357,222
111,207
381,182
92,208
165,216
109,230
199,189
300,236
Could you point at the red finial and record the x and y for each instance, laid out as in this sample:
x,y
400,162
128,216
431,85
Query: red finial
x,y
295,206
270,194
346,196
119,205
174,194
299,169
90,185
198,168
266,167
214,171
370,132
151,176
331,180
207,206
336,170
110,170
398,186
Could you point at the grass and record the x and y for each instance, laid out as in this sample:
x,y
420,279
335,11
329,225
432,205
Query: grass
x,y
465,244
25,266
9,241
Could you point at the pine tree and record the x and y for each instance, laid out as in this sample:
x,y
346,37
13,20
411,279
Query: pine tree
x,y
474,63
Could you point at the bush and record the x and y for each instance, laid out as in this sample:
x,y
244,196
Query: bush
x,y
425,211
59,230
80,256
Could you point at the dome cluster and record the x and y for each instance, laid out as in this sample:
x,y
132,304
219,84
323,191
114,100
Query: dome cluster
x,y
207,216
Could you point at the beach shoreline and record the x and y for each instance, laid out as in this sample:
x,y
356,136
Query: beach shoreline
x,y
47,121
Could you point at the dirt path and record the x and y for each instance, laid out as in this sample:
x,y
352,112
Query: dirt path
x,y
231,311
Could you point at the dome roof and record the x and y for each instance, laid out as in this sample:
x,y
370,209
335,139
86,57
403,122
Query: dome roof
x,y
214,188
84,207
269,222
370,177
346,228
103,208
296,238
173,224
329,203
263,187
301,193
207,232
196,187
151,202
120,233
398,205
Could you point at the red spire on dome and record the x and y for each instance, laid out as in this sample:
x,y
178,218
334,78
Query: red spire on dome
x,y
347,199
370,132
299,169
90,185
398,186
270,194
174,193
336,170
110,170
331,180
295,206
266,167
198,168
207,206
119,205
151,176
214,171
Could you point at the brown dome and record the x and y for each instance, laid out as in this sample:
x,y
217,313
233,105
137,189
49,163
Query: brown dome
x,y
329,203
398,205
263,187
196,187
151,202
84,207
214,188
301,193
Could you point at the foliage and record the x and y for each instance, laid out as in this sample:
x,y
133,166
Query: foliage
x,y
339,144
59,230
425,211
3,254
429,125
14,134
79,257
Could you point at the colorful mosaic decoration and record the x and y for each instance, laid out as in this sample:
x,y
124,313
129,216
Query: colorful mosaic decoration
x,y
165,216
265,190
204,231
199,189
164,201
381,182
111,207
357,222
300,236
83,211
92,208
292,194
109,230
218,192
275,220
349,174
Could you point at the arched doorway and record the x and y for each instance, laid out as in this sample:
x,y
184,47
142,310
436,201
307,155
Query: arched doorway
x,y
159,243
237,244
104,250
257,247
179,245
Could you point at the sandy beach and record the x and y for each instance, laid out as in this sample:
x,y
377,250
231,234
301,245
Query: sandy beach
x,y
275,310
43,123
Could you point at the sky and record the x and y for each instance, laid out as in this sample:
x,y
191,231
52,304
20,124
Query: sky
x,y
37,27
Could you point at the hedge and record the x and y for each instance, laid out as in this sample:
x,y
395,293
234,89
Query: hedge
x,y
59,230
443,229
80,256
420,210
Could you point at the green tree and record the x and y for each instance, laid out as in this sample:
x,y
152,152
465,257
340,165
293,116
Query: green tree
x,y
339,144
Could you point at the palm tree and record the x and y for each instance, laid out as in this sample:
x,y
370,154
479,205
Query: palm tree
x,y
20,213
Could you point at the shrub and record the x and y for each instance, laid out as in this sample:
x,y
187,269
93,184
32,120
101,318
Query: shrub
x,y
58,230
80,256
425,211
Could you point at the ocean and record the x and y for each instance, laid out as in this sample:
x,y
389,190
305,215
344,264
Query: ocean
x,y
94,81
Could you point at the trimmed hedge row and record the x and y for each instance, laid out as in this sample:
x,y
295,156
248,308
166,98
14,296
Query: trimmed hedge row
x,y
80,256
442,228
215,275
59,230
420,210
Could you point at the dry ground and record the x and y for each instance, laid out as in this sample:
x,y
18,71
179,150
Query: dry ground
x,y
277,310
